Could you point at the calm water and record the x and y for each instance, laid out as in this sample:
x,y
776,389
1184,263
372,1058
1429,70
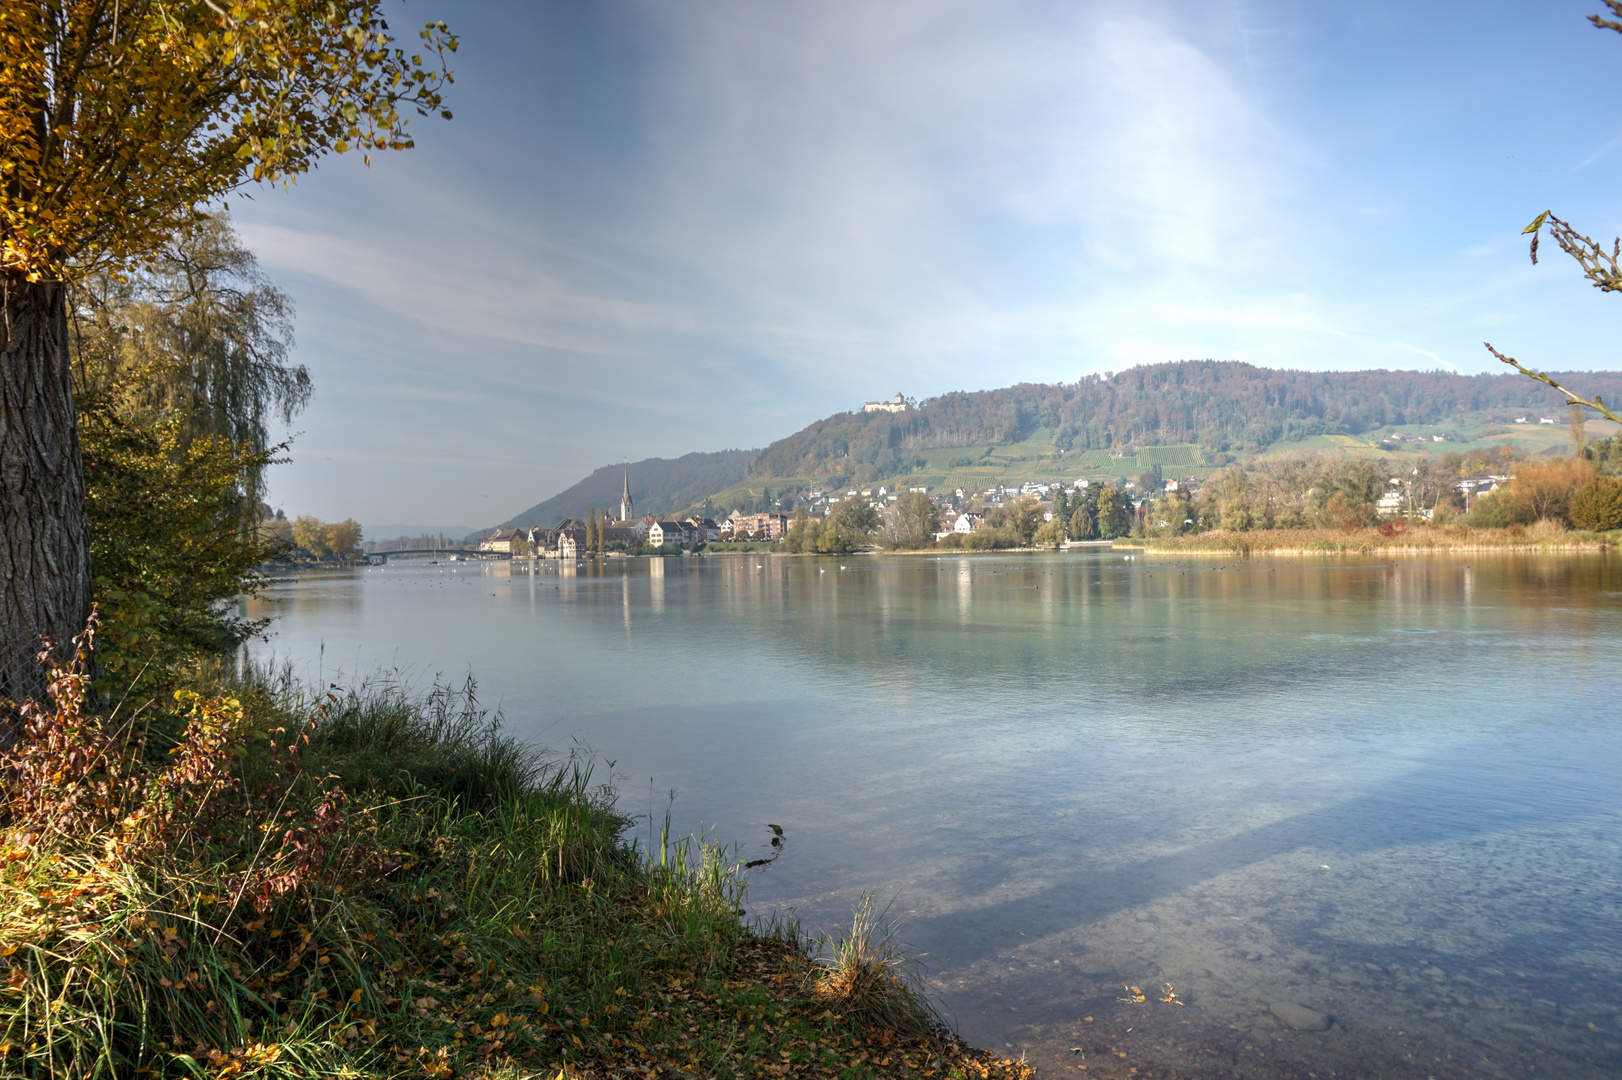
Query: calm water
x,y
1389,791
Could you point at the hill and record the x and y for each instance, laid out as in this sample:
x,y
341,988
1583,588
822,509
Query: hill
x,y
1187,418
1219,406
659,485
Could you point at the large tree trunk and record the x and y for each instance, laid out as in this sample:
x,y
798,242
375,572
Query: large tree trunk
x,y
44,540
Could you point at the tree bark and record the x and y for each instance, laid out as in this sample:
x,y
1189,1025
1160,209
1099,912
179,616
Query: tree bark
x,y
44,538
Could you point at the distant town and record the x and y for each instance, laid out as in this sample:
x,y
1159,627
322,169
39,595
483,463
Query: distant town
x,y
954,515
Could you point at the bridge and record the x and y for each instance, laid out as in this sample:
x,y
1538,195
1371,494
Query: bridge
x,y
378,558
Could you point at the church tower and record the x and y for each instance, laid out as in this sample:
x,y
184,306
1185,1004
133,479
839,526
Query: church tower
x,y
625,499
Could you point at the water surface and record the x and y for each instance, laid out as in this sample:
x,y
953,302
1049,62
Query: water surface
x,y
1386,790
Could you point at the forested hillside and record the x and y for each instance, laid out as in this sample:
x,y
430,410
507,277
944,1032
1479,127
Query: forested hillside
x,y
659,485
1219,404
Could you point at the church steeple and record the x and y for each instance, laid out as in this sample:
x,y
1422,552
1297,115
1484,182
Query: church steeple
x,y
625,499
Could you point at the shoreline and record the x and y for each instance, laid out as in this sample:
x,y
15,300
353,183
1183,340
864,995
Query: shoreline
x,y
1456,540
480,908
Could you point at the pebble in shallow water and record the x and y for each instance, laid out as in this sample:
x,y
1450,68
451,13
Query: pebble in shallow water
x,y
1299,1016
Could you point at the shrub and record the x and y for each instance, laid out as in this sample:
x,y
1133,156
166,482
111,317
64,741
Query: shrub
x,y
1598,505
132,878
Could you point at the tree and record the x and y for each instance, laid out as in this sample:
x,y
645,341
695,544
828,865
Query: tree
x,y
1598,505
1606,455
912,523
592,530
1022,517
1170,514
1083,522
119,121
199,335
310,533
167,542
1114,515
343,537
1539,490
277,531
801,532
849,526
1051,534
856,516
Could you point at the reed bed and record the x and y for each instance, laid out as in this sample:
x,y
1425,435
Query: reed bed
x,y
1536,538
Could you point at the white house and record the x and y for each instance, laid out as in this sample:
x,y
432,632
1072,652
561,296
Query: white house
x,y
667,532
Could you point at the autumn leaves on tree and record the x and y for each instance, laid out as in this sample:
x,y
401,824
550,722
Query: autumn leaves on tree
x,y
120,122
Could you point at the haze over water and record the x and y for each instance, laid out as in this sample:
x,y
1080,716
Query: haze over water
x,y
1386,790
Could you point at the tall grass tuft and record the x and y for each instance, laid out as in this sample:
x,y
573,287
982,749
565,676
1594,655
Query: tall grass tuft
x,y
871,975
384,734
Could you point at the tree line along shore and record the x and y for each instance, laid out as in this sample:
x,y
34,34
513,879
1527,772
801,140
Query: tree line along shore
x,y
1308,502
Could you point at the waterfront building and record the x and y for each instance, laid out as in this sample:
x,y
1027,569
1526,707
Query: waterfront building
x,y
668,532
703,528
771,526
500,540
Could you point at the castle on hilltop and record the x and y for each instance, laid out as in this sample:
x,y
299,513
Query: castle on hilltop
x,y
895,404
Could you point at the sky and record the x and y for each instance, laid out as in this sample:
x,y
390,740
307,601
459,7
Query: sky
x,y
661,226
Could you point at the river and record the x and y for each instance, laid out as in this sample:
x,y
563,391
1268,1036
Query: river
x,y
1390,791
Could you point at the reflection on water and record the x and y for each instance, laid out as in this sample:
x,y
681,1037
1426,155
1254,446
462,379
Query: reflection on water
x,y
1387,791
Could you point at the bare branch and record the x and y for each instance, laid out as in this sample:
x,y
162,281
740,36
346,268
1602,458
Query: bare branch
x,y
1603,268
1598,404
1609,24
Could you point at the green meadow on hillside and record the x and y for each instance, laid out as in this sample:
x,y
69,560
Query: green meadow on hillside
x,y
1037,458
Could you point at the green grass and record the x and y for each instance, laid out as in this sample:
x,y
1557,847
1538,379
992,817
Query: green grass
x,y
395,888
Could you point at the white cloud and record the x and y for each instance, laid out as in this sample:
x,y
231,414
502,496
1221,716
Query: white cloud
x,y
926,185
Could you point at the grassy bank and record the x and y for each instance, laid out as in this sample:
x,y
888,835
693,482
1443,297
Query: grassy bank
x,y
259,882
1375,542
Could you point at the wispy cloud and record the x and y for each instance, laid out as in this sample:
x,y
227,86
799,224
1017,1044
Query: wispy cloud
x,y
931,184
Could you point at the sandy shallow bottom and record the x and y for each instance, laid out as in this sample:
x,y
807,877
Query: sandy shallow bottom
x,y
1412,990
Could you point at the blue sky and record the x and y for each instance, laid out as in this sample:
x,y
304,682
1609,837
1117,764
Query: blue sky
x,y
665,226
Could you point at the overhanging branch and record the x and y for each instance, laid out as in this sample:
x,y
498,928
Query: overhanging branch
x,y
1598,404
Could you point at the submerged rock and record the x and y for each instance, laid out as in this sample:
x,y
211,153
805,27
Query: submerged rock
x,y
1299,1016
